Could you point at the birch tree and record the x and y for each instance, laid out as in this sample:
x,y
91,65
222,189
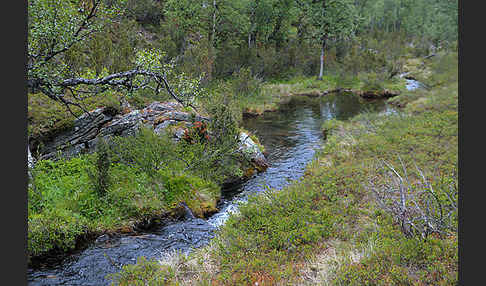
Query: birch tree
x,y
55,26
329,20
216,20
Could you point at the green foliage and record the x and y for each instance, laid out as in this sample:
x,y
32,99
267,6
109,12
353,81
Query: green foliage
x,y
275,39
443,69
145,176
101,177
403,261
382,54
186,188
114,47
245,83
431,134
429,20
147,12
53,26
52,181
196,59
189,16
46,117
54,228
332,19
144,272
221,22
185,87
145,151
372,82
198,133
275,233
210,154
219,153
258,239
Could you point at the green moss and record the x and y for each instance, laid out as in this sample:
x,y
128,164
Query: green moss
x,y
47,117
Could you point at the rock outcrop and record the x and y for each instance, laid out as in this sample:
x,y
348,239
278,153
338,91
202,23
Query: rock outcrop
x,y
160,116
102,123
251,151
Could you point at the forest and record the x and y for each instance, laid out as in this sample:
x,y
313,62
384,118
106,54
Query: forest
x,y
243,142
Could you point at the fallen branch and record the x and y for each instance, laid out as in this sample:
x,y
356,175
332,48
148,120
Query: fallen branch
x,y
418,208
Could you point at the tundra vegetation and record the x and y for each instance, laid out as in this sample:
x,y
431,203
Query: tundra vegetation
x,y
377,206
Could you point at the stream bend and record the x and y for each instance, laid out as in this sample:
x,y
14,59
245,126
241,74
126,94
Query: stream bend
x,y
291,137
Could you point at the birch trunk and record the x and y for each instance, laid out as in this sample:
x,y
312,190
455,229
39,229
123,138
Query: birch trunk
x,y
321,71
211,43
30,162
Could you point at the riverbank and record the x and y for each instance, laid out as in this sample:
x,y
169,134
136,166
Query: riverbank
x,y
264,97
329,228
132,183
274,93
291,136
66,212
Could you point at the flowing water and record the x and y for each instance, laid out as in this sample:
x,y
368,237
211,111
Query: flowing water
x,y
412,84
291,137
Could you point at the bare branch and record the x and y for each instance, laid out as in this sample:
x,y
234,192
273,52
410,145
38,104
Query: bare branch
x,y
418,210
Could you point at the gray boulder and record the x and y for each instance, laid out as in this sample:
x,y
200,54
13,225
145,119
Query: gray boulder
x,y
101,123
251,152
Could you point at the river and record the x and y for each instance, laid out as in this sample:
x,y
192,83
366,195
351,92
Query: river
x,y
291,137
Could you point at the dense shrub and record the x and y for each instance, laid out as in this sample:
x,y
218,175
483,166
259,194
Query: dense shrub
x,y
54,228
197,133
372,82
396,260
147,12
245,83
144,272
145,176
100,177
257,239
219,154
145,151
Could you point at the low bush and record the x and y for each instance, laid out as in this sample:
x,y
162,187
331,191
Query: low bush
x,y
245,83
52,229
397,260
275,234
145,176
257,239
144,272
101,178
146,151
